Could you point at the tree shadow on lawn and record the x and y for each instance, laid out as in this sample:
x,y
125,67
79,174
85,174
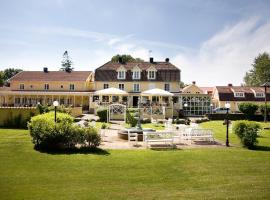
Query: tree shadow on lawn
x,y
82,150
261,148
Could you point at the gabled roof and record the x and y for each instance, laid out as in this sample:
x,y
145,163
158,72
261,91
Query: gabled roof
x,y
51,76
142,65
165,71
226,93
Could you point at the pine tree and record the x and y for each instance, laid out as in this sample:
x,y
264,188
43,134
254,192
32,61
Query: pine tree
x,y
66,63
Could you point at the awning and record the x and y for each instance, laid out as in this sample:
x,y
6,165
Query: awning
x,y
110,91
156,92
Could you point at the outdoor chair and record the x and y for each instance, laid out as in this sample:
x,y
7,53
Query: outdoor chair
x,y
133,138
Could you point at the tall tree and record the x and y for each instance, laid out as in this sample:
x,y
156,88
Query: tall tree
x,y
7,74
260,72
1,78
125,58
66,63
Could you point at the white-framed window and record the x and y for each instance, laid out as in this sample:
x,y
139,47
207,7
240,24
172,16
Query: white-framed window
x,y
136,75
121,86
121,74
167,87
152,74
239,94
21,86
105,85
136,87
259,95
46,86
71,87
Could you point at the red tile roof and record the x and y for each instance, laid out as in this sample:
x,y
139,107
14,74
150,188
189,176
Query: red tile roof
x,y
51,76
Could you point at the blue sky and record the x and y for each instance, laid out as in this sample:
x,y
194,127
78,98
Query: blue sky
x,y
212,42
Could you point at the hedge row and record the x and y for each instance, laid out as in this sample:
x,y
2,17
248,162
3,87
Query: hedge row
x,y
236,116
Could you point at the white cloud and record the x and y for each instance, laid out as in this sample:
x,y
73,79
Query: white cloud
x,y
226,56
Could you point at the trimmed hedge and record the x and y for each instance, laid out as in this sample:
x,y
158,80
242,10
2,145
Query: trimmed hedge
x,y
236,116
103,115
249,109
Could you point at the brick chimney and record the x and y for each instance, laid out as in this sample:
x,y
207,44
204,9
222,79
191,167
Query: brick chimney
x,y
230,85
194,82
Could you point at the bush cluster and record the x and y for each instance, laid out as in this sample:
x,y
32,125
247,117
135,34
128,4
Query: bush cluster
x,y
102,114
45,109
201,120
181,121
247,131
46,134
130,118
262,109
249,109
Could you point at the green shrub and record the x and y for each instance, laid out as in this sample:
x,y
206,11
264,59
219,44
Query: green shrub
x,y
262,109
201,120
132,110
102,114
249,109
146,121
46,134
91,137
45,109
130,119
104,126
247,132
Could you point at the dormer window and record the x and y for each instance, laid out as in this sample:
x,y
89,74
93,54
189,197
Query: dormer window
x,y
239,94
136,73
121,73
151,73
259,95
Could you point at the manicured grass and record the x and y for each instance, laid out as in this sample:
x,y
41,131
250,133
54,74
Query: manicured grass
x,y
210,173
220,133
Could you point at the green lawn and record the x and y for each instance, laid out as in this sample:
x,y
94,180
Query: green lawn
x,y
210,173
220,133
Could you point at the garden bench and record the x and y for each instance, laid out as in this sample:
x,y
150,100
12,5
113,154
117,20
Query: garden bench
x,y
201,135
162,137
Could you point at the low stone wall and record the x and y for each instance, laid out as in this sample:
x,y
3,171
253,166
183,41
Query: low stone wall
x,y
16,116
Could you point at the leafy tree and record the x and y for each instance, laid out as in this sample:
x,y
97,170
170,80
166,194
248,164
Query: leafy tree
x,y
260,73
125,58
1,78
66,63
7,74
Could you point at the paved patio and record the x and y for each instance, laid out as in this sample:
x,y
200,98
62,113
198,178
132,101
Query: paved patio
x,y
110,140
